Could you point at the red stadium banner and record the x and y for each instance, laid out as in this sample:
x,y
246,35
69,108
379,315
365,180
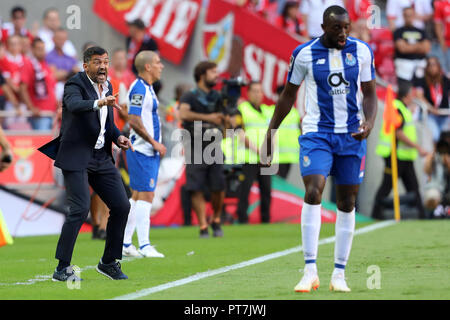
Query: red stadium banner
x,y
29,166
170,22
244,44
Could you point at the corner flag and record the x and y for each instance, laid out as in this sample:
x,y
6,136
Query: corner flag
x,y
391,122
5,237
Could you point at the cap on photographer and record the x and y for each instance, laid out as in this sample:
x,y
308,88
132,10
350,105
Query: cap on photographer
x,y
200,111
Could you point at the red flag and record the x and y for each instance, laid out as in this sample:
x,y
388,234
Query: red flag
x,y
390,114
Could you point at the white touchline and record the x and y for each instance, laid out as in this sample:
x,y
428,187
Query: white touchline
x,y
207,274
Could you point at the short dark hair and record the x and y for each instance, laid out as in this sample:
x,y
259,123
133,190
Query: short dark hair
x,y
35,41
138,23
202,67
336,10
16,9
404,88
93,51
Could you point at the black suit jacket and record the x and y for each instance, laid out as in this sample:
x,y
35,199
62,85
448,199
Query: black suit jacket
x,y
73,148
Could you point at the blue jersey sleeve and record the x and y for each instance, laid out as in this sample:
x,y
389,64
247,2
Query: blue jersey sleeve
x,y
136,99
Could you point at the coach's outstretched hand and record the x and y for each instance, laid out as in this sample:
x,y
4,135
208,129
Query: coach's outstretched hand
x,y
124,143
363,131
110,101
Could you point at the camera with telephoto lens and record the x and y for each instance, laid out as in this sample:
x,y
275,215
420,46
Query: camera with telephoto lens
x,y
231,92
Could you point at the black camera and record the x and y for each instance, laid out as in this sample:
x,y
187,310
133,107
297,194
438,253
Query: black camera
x,y
231,92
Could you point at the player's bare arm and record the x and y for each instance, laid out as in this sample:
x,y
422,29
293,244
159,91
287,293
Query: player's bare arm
x,y
283,107
138,126
369,105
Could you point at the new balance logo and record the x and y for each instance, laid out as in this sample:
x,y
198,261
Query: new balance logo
x,y
320,61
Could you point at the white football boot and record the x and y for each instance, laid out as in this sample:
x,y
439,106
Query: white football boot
x,y
338,283
310,280
131,251
150,252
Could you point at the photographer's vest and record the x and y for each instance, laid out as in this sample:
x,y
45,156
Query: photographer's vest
x,y
255,124
404,152
288,133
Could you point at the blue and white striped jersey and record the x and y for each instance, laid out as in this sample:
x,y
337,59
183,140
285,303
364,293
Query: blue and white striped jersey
x,y
143,102
333,99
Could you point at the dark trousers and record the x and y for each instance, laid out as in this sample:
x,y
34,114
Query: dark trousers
x,y
105,180
252,173
408,175
283,169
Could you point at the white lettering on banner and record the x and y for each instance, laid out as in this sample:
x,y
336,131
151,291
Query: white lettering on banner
x,y
185,13
144,10
163,18
173,31
261,65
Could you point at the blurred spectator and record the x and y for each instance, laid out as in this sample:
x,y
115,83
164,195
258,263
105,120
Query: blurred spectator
x,y
433,89
6,94
408,149
394,11
411,47
358,11
312,15
437,188
172,114
290,19
51,24
6,155
256,6
138,41
442,29
119,70
64,64
17,25
12,63
26,46
38,87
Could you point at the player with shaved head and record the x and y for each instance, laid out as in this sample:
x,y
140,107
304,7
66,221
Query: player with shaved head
x,y
143,164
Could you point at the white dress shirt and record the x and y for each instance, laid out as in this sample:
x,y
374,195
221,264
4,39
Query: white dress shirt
x,y
103,111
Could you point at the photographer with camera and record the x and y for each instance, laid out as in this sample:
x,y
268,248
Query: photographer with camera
x,y
437,188
6,155
201,110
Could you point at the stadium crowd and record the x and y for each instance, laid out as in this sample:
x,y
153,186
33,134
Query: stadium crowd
x,y
411,45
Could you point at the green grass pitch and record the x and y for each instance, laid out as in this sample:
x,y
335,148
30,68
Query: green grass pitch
x,y
413,259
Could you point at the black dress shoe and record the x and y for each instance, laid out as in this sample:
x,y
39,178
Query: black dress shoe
x,y
111,270
217,230
94,232
101,234
66,274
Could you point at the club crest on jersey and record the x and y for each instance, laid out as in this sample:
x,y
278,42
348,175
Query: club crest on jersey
x,y
152,183
350,59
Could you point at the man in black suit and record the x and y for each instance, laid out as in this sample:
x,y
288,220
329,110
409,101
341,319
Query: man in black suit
x,y
83,152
